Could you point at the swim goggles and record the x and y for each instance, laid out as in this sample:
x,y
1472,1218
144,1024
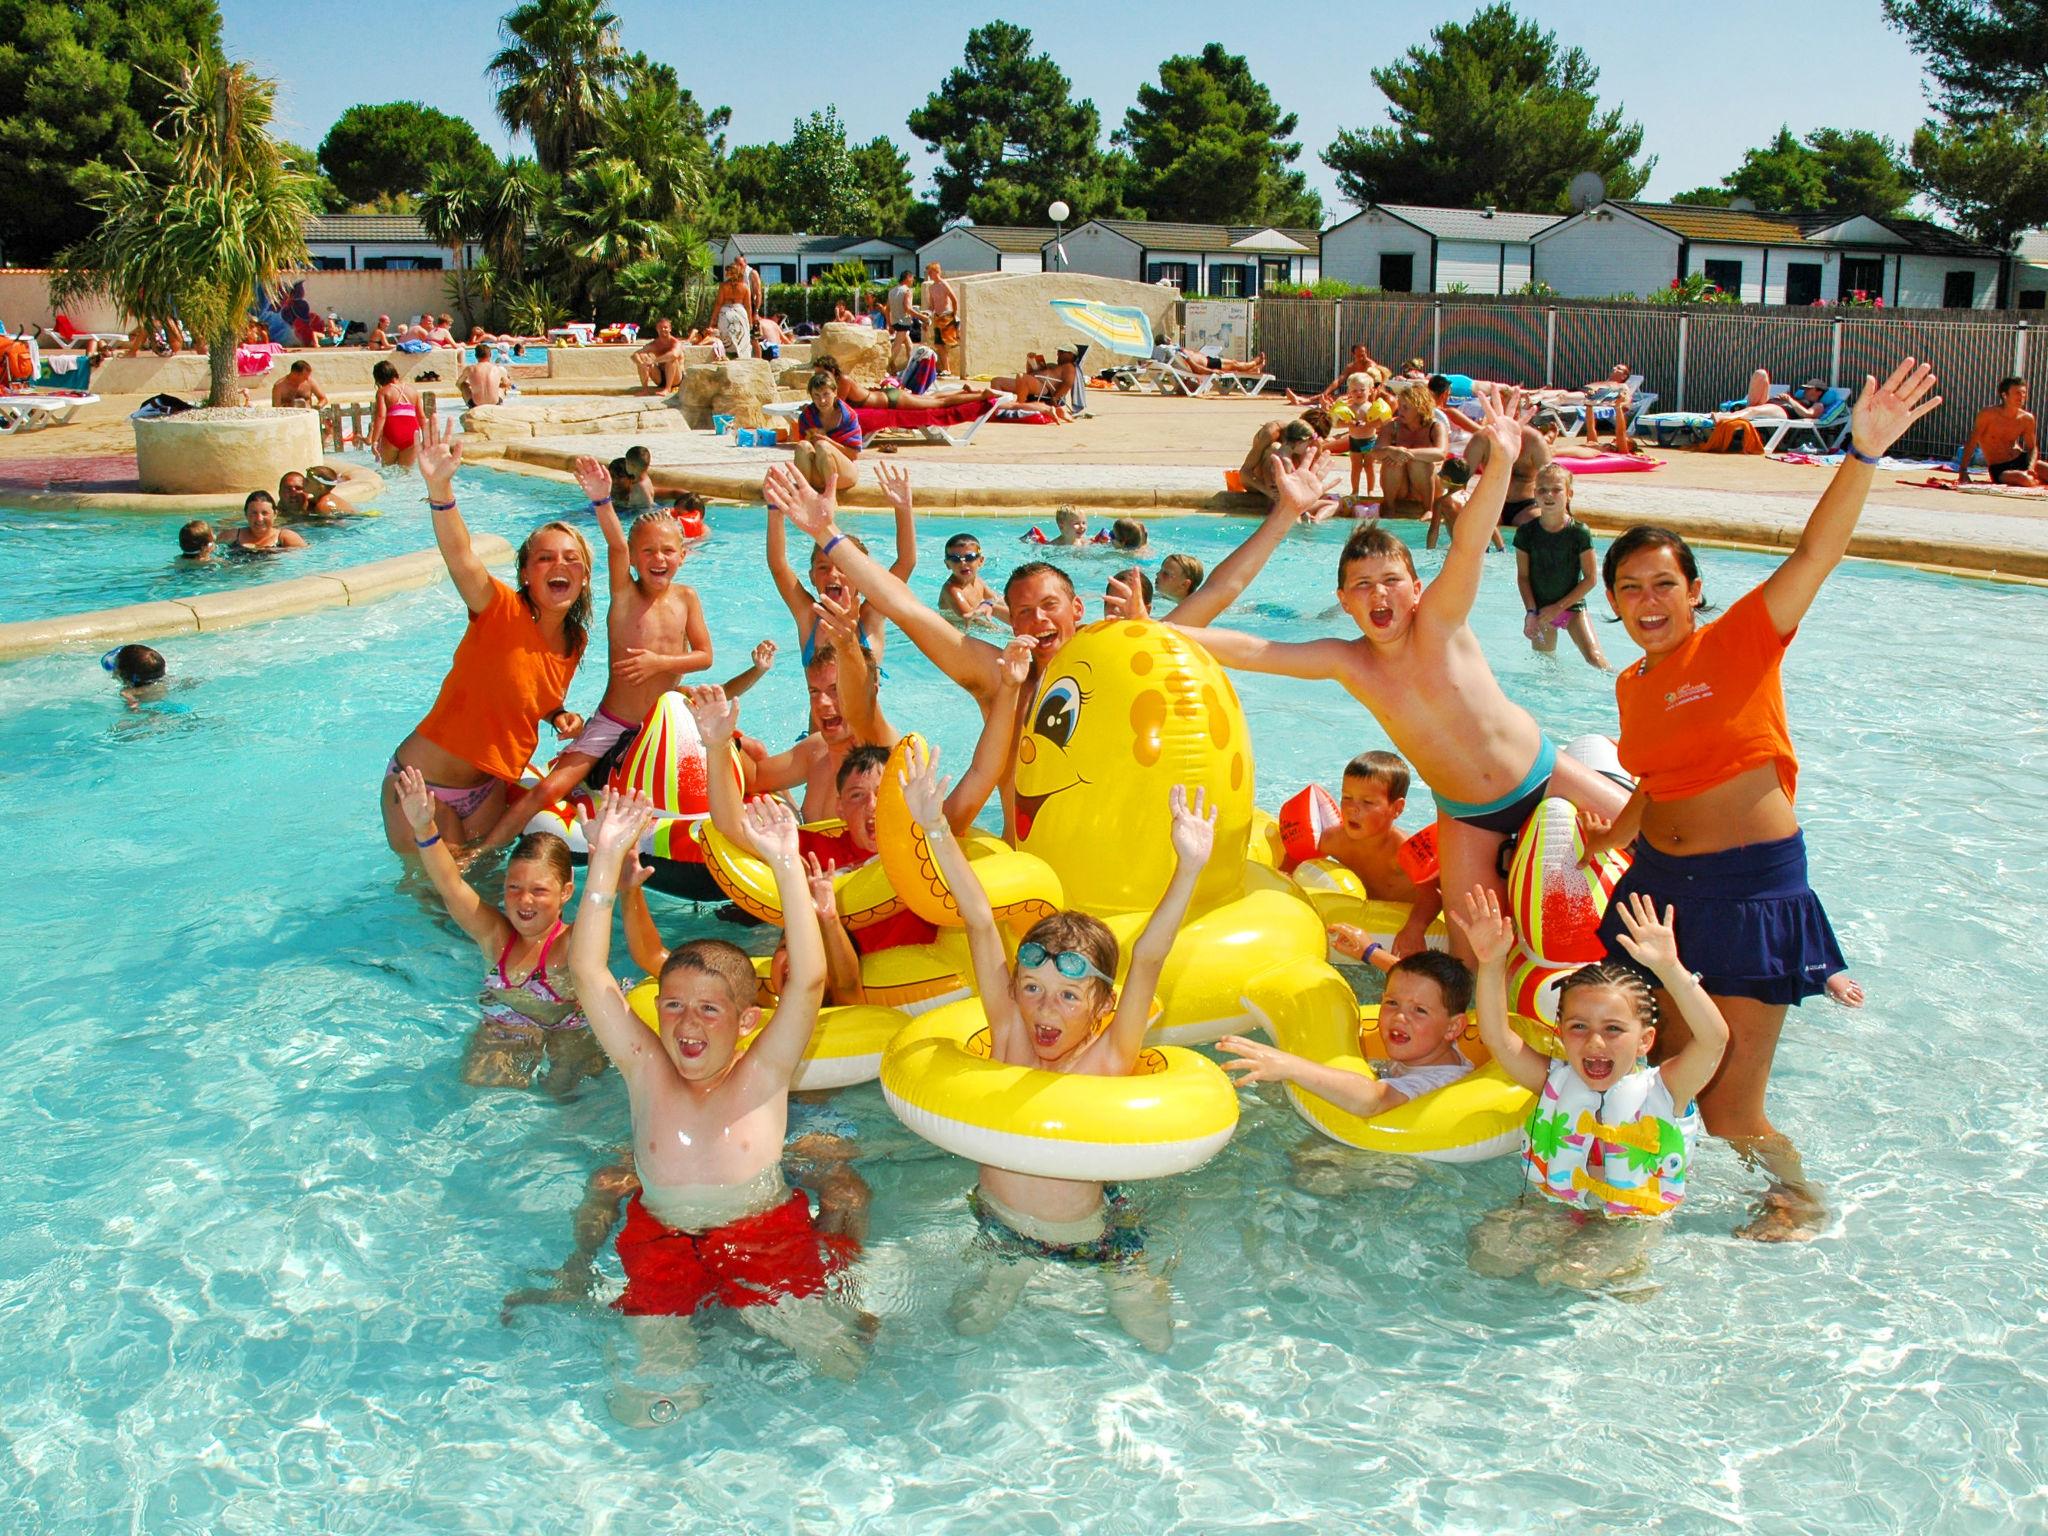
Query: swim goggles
x,y
1070,963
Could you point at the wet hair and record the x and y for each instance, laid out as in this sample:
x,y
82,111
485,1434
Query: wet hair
x,y
1085,935
384,373
961,541
1454,472
1185,565
1127,533
1297,432
1318,420
138,664
1031,568
1557,471
1439,384
619,469
1649,536
1061,513
1144,581
1625,979
640,456
2012,381
718,958
576,623
195,536
689,501
545,848
1389,769
1453,977
253,497
653,518
1372,541
860,760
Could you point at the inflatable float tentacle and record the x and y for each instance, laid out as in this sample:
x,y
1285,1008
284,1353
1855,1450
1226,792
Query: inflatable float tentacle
x,y
1020,888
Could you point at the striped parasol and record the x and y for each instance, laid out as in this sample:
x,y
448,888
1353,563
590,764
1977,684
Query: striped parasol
x,y
1113,327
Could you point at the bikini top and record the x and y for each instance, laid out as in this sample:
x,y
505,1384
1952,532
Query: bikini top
x,y
532,1000
810,645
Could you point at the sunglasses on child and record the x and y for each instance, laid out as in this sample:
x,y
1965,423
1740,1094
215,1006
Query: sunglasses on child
x,y
1070,963
963,557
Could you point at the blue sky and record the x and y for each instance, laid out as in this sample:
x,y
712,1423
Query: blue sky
x,y
1705,82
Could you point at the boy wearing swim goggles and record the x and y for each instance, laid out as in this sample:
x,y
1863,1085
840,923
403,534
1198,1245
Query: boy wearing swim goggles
x,y
1060,1011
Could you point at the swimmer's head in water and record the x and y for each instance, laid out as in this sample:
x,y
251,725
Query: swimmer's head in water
x,y
1606,1022
539,880
1124,712
704,1006
135,665
1376,583
196,537
1044,608
859,782
1127,533
1179,575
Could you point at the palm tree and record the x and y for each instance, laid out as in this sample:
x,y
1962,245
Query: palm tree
x,y
601,223
658,126
198,245
560,60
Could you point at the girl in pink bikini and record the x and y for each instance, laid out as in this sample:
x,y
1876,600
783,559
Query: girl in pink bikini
x,y
395,423
531,1017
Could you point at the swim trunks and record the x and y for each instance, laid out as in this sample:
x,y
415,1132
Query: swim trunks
x,y
753,1262
1364,444
1520,510
1122,1240
2016,466
1507,814
606,739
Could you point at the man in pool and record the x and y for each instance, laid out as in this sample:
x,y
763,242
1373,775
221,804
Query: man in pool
x,y
1530,460
1044,608
309,494
298,388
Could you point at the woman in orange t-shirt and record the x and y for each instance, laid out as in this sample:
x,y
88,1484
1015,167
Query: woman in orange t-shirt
x,y
1703,732
511,670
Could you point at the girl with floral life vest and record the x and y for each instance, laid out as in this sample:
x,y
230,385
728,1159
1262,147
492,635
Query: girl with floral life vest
x,y
1611,1135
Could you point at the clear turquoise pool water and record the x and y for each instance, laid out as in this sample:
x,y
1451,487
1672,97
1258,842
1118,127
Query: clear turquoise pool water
x,y
255,1232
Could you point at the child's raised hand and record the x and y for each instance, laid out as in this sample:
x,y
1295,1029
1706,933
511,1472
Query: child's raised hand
x,y
824,897
1884,411
1013,666
1298,487
621,822
1125,598
793,496
1501,427
764,655
438,458
594,478
894,480
716,715
772,828
836,624
1490,931
1650,940
1194,826
1255,1062
417,803
1348,939
924,792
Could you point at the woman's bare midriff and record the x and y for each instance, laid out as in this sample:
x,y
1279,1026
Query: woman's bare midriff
x,y
1749,808
437,765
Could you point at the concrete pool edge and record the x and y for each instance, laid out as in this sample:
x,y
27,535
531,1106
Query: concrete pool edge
x,y
348,587
357,487
1938,556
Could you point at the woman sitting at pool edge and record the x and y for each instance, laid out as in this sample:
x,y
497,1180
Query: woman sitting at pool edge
x,y
511,670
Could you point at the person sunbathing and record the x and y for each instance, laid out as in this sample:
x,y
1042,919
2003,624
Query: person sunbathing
x,y
1200,363
1760,404
893,396
1045,383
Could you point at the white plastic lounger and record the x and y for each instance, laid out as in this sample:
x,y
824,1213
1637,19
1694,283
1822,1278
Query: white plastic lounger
x,y
1828,428
32,410
1246,384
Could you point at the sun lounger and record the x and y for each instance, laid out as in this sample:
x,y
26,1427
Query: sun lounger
x,y
927,426
1827,429
30,410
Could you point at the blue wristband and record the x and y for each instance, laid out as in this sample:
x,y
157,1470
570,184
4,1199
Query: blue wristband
x,y
439,506
601,501
830,542
1861,457
428,843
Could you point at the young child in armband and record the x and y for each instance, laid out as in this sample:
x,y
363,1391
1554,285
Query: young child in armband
x,y
1611,1135
535,1020
967,598
1393,867
1421,1017
655,634
1060,1011
714,1222
1555,569
196,540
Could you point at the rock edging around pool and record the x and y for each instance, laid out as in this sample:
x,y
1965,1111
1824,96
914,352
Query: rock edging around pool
x,y
357,486
346,588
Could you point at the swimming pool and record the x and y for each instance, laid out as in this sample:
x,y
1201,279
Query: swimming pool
x,y
256,1233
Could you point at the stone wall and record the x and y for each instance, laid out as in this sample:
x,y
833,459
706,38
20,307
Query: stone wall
x,y
1004,315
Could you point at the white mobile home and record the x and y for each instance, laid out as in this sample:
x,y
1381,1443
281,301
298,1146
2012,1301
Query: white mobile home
x,y
1227,261
1406,248
798,258
986,248
377,242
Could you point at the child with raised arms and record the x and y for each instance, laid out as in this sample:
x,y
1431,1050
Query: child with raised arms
x,y
1611,1135
1420,669
535,1020
1060,1011
714,1222
829,583
655,634
1555,569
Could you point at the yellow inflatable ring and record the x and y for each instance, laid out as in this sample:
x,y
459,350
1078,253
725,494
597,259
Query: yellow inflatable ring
x,y
907,977
1338,896
846,1046
1174,1113
1479,1116
865,895
1021,888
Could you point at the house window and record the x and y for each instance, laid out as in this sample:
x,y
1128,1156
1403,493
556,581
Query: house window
x,y
330,263
1802,282
1397,271
401,263
1959,290
773,271
1274,272
1862,274
1227,282
1175,274
1724,275
2034,298
880,268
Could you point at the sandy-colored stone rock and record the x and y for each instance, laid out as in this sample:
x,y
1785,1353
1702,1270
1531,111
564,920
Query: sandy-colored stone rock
x,y
223,450
737,389
555,415
861,351
1004,315
793,376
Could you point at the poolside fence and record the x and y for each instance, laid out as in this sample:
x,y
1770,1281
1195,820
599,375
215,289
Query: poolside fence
x,y
1693,358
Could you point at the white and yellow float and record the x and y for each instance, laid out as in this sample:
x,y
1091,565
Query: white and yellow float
x,y
845,1047
1174,1112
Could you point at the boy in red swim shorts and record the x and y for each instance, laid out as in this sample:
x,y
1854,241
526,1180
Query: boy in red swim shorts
x,y
713,1221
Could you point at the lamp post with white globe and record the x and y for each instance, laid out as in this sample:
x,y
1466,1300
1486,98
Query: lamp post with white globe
x,y
1058,213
